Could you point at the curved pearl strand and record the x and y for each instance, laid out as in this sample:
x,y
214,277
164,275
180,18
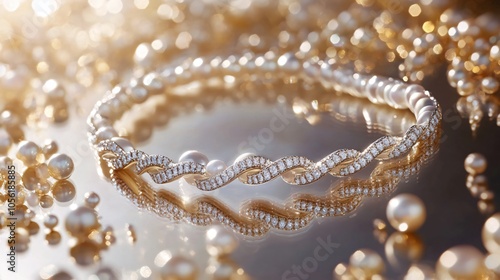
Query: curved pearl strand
x,y
251,169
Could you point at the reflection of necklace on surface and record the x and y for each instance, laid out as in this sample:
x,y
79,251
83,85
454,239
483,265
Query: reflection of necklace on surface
x,y
257,217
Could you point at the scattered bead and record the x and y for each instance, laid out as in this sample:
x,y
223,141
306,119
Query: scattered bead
x,y
60,166
92,199
475,163
406,212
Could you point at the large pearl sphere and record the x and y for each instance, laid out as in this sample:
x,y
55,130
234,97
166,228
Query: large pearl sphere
x,y
220,241
60,166
81,222
29,153
179,268
461,262
406,212
194,156
215,167
366,263
475,163
491,234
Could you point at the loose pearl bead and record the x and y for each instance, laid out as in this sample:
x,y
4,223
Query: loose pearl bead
x,y
179,268
475,163
420,272
491,234
92,199
461,262
32,199
29,153
465,88
406,212
51,221
489,85
46,201
220,241
492,262
86,252
194,156
81,222
215,167
63,191
366,263
60,166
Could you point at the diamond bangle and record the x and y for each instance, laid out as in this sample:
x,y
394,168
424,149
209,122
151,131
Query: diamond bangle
x,y
119,153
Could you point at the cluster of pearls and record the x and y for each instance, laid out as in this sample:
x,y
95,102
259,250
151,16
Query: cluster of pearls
x,y
477,183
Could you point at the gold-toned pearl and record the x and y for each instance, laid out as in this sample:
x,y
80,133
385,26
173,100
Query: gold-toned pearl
x,y
60,166
81,222
63,191
29,153
92,199
33,228
46,201
179,268
220,241
491,234
475,163
366,263
465,88
49,148
342,272
489,85
406,212
50,221
53,237
22,239
86,252
461,262
403,249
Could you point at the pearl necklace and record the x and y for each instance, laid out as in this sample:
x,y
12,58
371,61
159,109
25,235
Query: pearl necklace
x,y
252,169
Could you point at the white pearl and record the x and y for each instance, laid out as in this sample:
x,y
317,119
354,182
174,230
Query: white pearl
x,y
414,98
423,118
29,153
92,199
105,133
366,263
465,88
125,144
397,96
215,167
492,262
381,90
32,199
243,156
137,93
179,268
81,221
461,262
406,212
475,163
424,102
413,90
194,156
420,272
371,89
491,234
220,241
60,166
